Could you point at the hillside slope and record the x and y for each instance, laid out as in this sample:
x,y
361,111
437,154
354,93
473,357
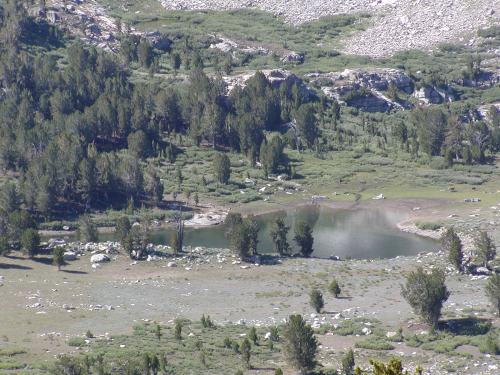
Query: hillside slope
x,y
397,24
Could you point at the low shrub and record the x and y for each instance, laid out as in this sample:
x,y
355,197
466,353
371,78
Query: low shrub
x,y
76,341
374,344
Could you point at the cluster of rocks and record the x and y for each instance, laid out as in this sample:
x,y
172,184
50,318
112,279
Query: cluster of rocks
x,y
88,20
275,76
227,45
422,24
206,219
396,25
236,49
85,18
372,86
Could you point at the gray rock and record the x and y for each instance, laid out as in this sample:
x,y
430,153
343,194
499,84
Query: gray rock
x,y
99,258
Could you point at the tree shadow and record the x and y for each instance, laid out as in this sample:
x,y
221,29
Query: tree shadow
x,y
14,257
264,260
43,260
470,326
75,272
4,266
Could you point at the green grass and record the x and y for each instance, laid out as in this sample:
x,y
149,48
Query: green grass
x,y
76,341
374,343
184,356
425,225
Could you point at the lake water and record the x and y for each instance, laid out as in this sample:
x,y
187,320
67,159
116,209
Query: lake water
x,y
359,233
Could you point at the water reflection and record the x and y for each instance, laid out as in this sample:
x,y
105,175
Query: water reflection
x,y
361,233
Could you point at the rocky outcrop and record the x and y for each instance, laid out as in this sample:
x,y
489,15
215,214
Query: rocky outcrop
x,y
377,79
86,19
293,57
236,48
89,21
275,76
484,111
363,88
431,95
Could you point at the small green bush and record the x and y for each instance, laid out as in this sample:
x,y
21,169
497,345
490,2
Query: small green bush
x,y
425,225
374,344
76,341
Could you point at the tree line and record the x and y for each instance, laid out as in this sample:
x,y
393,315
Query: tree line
x,y
77,129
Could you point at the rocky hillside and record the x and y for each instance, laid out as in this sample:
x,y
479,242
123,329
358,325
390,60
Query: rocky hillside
x,y
396,24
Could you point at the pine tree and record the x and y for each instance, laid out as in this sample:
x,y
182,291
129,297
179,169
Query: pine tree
x,y
316,300
426,293
87,231
485,248
452,244
300,345
278,234
493,291
58,257
30,241
222,168
303,238
348,363
252,335
334,288
245,350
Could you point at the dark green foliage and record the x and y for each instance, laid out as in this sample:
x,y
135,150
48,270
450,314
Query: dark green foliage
x,y
431,128
222,168
303,238
348,363
139,144
252,335
300,345
4,245
272,156
87,231
305,118
252,229
9,198
485,248
206,322
275,336
394,367
492,289
451,243
426,293
136,241
279,233
227,343
490,344
30,241
122,228
16,223
158,332
334,288
177,237
178,330
246,352
242,234
316,300
145,53
58,257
